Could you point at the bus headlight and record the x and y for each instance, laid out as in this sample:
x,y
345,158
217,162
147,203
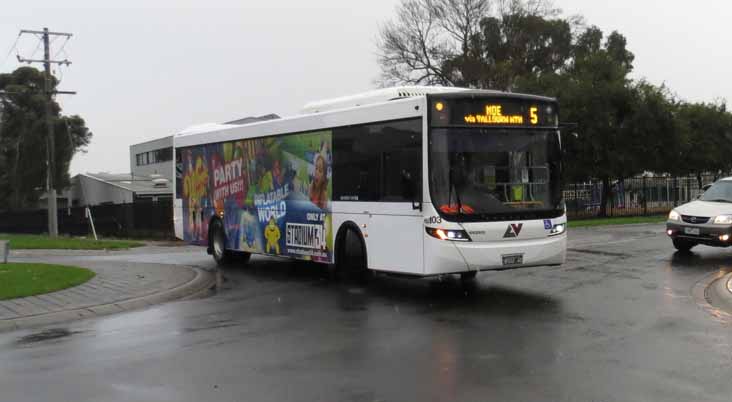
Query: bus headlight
x,y
723,220
674,216
558,229
448,234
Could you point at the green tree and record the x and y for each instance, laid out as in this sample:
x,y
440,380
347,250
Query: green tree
x,y
599,98
23,138
656,134
511,47
706,138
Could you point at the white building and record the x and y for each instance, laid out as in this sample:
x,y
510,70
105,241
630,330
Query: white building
x,y
153,158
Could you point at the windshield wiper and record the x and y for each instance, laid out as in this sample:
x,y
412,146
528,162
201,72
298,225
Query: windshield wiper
x,y
719,200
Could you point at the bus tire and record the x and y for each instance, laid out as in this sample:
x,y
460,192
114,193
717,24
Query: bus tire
x,y
351,259
217,243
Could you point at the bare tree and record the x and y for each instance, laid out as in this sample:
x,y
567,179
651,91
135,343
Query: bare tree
x,y
425,34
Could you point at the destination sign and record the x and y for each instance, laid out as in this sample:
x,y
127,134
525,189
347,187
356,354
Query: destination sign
x,y
493,112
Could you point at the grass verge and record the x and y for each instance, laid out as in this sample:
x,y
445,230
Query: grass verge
x,y
29,242
623,220
29,279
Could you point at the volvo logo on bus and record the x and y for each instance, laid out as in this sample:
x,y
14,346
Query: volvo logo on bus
x,y
513,230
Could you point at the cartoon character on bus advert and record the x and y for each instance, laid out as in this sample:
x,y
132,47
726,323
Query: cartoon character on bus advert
x,y
195,195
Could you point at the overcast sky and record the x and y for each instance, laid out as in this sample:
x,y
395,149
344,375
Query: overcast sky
x,y
143,72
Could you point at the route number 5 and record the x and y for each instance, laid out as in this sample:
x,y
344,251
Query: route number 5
x,y
534,114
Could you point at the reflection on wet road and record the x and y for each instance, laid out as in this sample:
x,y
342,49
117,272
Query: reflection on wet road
x,y
618,322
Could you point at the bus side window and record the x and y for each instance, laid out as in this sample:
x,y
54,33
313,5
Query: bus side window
x,y
355,164
378,162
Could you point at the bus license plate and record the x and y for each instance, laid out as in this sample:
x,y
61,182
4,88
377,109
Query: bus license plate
x,y
513,259
692,231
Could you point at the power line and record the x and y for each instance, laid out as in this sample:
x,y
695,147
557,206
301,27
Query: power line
x,y
10,51
61,50
38,46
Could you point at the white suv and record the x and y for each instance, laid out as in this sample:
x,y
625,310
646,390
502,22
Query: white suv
x,y
707,220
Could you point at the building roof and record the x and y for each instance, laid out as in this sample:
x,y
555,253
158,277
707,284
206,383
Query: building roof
x,y
167,137
152,184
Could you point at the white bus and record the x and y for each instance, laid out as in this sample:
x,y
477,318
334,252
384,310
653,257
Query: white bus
x,y
413,180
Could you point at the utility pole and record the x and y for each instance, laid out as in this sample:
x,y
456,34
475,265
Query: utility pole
x,y
51,141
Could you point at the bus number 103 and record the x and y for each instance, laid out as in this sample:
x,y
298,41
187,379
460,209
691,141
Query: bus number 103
x,y
432,220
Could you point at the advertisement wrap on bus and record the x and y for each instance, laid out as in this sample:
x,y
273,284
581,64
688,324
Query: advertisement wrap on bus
x,y
274,194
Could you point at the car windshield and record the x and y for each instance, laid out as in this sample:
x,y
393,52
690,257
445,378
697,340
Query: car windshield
x,y
720,191
489,174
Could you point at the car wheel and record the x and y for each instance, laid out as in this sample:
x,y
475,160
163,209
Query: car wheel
x,y
683,245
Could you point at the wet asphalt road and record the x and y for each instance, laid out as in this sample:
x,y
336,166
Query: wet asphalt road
x,y
618,322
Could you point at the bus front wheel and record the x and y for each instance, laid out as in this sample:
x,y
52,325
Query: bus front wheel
x,y
351,262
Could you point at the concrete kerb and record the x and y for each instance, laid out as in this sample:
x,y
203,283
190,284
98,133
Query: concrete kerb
x,y
719,293
202,281
4,251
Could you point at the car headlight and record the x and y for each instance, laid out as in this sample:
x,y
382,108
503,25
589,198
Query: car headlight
x,y
674,216
723,220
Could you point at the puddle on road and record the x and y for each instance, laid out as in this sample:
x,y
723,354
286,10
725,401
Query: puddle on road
x,y
46,335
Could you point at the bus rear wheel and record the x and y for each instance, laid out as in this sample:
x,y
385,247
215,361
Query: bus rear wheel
x,y
217,241
351,260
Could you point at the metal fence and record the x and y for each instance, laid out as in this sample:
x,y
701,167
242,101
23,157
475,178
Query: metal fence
x,y
635,196
145,219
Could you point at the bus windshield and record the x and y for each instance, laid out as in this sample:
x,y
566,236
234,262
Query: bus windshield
x,y
488,174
